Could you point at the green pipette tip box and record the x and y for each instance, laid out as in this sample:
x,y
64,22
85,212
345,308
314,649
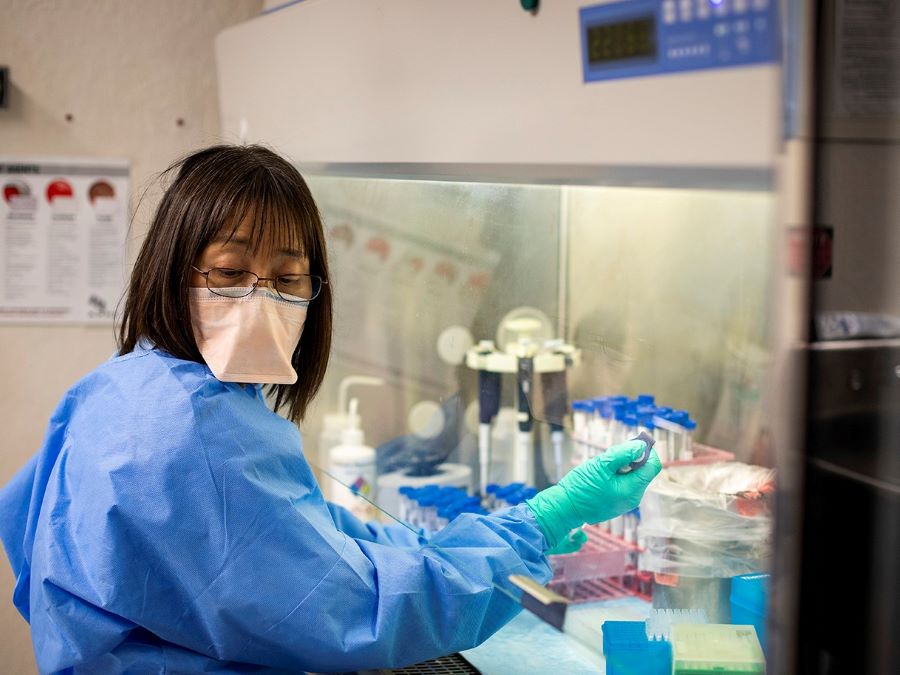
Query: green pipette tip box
x,y
704,649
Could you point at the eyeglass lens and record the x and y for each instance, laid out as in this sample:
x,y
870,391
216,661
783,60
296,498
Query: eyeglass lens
x,y
232,283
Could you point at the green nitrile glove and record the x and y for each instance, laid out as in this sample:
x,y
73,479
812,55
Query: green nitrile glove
x,y
571,543
594,492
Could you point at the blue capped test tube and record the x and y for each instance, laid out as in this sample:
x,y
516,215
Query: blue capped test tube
x,y
403,511
581,413
490,495
687,450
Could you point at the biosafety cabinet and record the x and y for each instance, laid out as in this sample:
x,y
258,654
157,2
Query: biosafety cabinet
x,y
540,224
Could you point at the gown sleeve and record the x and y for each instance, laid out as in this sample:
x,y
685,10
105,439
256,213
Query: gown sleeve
x,y
393,534
212,534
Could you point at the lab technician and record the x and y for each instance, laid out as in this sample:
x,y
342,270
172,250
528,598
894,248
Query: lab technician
x,y
170,522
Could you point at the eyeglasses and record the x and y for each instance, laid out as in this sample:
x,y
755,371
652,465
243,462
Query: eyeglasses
x,y
230,283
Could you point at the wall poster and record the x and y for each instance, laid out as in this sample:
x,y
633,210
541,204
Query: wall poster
x,y
62,246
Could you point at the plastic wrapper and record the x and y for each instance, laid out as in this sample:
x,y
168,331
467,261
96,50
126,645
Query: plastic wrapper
x,y
708,521
709,559
856,325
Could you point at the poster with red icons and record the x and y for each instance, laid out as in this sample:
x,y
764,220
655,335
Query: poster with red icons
x,y
62,245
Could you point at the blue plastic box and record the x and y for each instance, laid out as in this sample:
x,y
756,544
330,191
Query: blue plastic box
x,y
628,651
749,600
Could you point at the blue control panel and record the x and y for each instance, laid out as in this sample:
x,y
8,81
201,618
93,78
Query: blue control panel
x,y
655,37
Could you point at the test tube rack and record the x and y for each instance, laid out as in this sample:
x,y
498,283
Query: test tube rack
x,y
635,585
602,570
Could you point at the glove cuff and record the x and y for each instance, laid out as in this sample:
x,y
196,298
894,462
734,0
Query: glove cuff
x,y
551,518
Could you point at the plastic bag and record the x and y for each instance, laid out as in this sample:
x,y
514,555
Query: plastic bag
x,y
707,559
708,521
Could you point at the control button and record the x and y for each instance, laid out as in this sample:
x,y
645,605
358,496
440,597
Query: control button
x,y
743,44
740,6
760,24
702,9
742,26
687,8
720,30
669,11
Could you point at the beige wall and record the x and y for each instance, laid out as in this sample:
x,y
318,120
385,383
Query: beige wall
x,y
126,71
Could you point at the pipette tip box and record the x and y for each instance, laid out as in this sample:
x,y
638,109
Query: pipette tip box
x,y
628,651
720,649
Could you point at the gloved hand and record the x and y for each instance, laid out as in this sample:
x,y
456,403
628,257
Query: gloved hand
x,y
571,543
594,492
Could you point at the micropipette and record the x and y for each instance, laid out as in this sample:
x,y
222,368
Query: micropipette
x,y
524,464
555,408
489,388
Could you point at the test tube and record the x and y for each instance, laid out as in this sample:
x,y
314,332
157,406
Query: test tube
x,y
580,413
646,400
645,422
666,430
598,425
631,426
630,527
641,539
680,418
403,510
617,527
415,508
411,516
446,496
427,510
630,535
490,493
506,490
618,423
515,496
687,449
444,516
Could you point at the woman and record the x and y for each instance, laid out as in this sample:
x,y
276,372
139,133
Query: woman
x,y
170,522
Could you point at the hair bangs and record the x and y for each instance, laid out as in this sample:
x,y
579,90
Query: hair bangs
x,y
273,215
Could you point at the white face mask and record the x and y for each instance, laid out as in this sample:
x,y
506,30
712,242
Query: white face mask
x,y
249,339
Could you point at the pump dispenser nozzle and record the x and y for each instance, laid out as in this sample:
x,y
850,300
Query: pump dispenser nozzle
x,y
353,434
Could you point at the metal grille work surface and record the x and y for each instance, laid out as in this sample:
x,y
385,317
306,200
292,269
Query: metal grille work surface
x,y
454,664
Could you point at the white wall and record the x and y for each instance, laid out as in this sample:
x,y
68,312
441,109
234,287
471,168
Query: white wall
x,y
126,71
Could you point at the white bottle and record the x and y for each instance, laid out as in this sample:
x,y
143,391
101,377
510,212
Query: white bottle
x,y
334,425
352,464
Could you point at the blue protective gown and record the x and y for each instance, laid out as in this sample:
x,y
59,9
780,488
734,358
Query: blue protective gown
x,y
170,523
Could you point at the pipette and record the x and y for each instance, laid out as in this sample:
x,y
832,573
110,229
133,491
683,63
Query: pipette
x,y
489,388
524,461
555,407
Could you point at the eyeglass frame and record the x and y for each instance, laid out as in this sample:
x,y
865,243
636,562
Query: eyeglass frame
x,y
253,287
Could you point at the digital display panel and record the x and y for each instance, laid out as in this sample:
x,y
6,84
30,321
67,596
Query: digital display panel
x,y
622,41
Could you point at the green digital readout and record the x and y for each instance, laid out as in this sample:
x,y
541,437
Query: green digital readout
x,y
622,41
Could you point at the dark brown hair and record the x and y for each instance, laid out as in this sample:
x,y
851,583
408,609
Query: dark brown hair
x,y
216,190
